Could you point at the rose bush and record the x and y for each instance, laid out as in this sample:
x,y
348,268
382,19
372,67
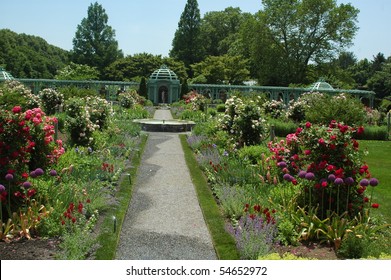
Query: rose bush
x,y
327,162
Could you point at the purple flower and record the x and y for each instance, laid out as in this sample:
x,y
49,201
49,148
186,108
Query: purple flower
x,y
281,164
338,181
331,178
9,177
2,188
53,173
39,172
288,177
33,174
349,181
373,182
26,185
310,176
364,183
302,174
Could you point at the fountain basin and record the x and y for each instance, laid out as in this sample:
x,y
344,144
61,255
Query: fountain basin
x,y
155,125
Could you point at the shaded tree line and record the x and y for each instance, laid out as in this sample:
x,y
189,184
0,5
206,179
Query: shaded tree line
x,y
284,43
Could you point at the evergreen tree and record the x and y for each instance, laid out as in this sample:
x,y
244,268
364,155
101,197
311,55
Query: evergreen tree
x,y
142,91
186,45
94,43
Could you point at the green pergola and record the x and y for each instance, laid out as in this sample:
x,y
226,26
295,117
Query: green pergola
x,y
280,93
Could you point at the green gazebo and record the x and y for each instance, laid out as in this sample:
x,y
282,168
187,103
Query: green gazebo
x,y
163,86
4,75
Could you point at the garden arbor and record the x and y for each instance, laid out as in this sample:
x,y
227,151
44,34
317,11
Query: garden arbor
x,y
163,86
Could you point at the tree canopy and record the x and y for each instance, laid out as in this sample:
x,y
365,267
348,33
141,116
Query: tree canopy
x,y
94,43
186,45
27,56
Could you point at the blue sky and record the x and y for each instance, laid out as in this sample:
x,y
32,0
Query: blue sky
x,y
149,25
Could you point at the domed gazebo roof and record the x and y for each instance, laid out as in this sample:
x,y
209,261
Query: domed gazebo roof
x,y
163,73
4,75
321,84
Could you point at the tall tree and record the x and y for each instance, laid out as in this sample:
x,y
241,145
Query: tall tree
x,y
94,43
186,45
219,30
303,32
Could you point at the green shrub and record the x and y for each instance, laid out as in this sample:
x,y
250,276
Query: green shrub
x,y
374,133
341,108
72,91
253,154
282,129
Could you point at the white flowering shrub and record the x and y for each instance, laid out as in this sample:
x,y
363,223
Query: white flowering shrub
x,y
274,108
51,99
99,110
243,121
15,93
128,99
78,123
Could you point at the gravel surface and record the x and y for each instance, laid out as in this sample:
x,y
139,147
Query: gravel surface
x,y
164,219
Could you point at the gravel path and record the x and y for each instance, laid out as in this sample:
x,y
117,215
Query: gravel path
x,y
164,219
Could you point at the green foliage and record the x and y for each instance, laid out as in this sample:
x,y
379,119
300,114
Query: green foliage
x,y
94,43
342,108
253,154
27,56
374,133
219,30
72,91
186,45
143,91
79,72
223,69
285,257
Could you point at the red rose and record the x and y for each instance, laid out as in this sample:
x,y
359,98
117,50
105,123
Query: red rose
x,y
307,124
16,109
375,205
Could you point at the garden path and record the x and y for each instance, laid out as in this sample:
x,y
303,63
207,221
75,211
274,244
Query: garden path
x,y
164,219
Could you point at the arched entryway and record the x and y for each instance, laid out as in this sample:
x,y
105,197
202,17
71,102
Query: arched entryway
x,y
163,94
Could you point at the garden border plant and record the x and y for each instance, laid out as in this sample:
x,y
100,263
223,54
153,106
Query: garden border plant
x,y
113,218
223,242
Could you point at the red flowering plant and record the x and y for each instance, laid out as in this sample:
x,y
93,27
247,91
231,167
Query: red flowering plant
x,y
326,161
26,143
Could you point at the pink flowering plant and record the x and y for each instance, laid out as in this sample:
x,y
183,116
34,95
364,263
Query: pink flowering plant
x,y
327,163
26,143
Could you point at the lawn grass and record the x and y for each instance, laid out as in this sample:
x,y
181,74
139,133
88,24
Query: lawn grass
x,y
379,162
223,242
110,230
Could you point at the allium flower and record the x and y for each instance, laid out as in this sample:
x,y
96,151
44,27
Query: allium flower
x,y
281,164
302,174
338,181
2,188
310,176
364,182
373,182
27,185
288,177
9,177
53,173
349,181
331,178
33,174
39,172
